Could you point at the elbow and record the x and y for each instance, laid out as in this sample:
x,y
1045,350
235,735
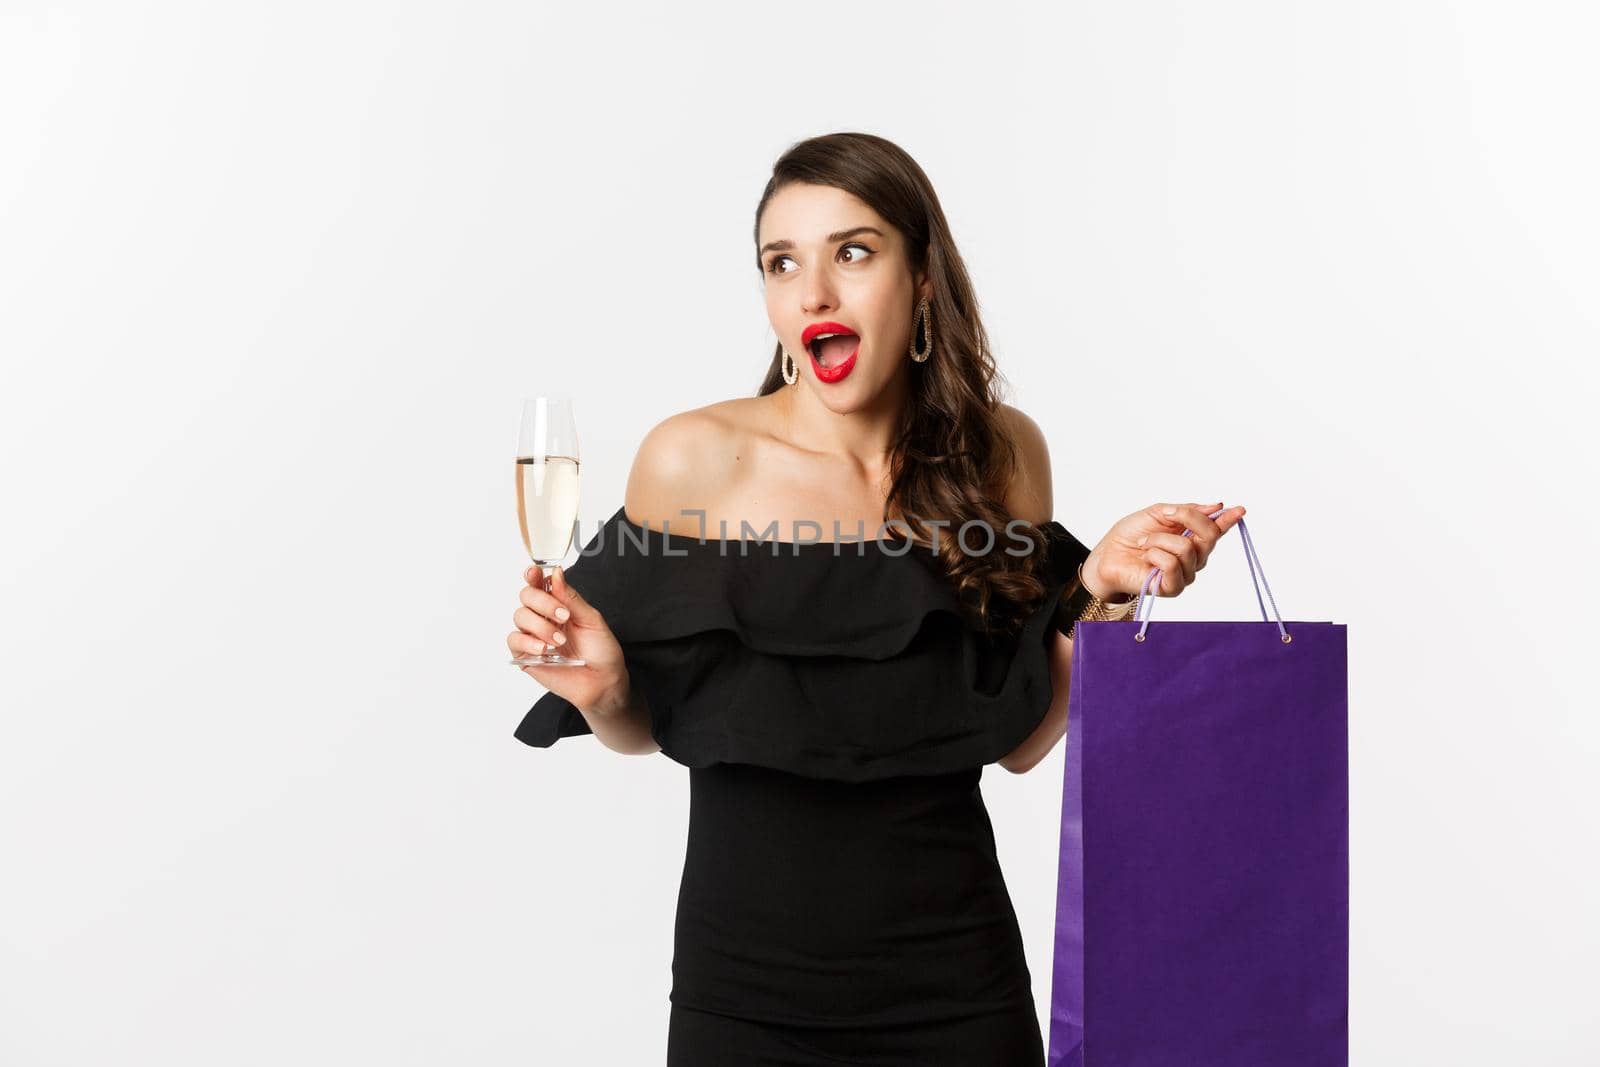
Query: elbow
x,y
1032,751
1016,764
632,743
1028,755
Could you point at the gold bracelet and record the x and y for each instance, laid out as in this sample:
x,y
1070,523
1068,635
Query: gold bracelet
x,y
1098,610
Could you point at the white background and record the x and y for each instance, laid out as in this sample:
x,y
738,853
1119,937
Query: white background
x,y
273,278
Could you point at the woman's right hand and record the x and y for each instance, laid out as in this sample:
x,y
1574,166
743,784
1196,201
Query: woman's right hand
x,y
602,681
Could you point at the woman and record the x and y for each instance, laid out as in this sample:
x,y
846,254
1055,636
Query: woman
x,y
836,692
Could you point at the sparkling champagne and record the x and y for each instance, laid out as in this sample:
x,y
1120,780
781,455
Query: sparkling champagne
x,y
547,504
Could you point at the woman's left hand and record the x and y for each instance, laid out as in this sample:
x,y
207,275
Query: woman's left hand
x,y
1154,537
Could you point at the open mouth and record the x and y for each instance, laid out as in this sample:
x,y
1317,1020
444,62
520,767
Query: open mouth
x,y
832,349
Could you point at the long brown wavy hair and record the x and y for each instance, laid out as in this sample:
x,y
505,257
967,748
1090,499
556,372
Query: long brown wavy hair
x,y
952,458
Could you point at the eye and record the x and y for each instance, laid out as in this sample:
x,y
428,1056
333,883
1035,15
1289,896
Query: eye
x,y
862,251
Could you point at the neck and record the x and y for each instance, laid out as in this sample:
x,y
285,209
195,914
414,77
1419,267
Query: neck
x,y
863,435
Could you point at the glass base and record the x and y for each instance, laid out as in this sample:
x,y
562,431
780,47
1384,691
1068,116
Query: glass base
x,y
547,659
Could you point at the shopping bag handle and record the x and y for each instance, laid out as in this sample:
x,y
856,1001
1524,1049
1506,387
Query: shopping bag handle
x,y
1257,582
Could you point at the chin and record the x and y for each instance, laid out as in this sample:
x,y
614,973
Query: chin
x,y
854,394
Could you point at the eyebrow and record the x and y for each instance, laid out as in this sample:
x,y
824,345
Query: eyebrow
x,y
784,246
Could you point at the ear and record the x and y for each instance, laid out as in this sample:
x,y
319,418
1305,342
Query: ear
x,y
919,282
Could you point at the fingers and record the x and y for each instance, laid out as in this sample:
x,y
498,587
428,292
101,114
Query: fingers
x,y
1183,551
1196,517
540,617
546,604
519,643
1203,529
531,622
1178,555
582,611
1184,515
1170,582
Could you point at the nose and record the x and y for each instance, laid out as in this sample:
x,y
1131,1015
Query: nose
x,y
818,294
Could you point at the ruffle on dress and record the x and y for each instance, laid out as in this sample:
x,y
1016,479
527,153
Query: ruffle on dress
x,y
841,660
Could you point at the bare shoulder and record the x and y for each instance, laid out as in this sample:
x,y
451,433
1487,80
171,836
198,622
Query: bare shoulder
x,y
1030,496
682,463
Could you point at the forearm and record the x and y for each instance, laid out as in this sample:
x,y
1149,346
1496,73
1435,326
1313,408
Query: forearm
x,y
623,724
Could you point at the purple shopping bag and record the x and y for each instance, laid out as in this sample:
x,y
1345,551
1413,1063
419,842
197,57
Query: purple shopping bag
x,y
1202,908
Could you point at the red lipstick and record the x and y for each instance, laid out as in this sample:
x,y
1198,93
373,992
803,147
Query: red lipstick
x,y
840,369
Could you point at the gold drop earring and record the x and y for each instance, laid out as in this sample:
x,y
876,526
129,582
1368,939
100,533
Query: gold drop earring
x,y
925,315
791,373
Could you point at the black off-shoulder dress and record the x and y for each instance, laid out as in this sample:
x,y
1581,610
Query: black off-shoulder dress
x,y
841,900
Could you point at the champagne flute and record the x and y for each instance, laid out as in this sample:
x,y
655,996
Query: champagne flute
x,y
547,495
